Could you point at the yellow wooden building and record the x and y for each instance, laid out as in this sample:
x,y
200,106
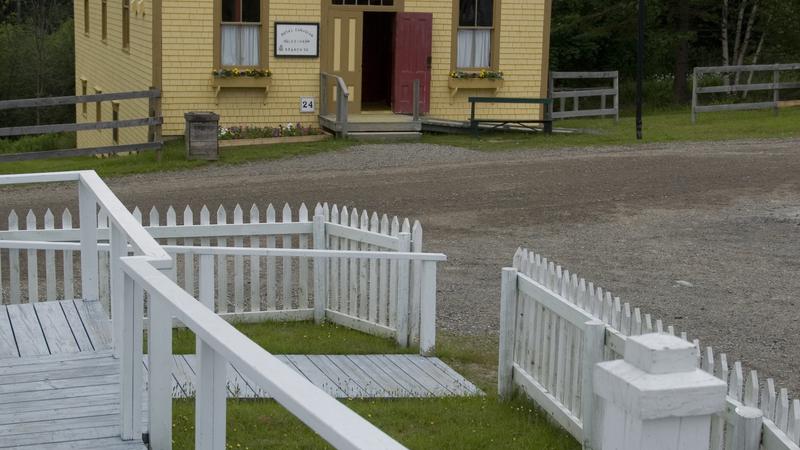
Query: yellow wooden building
x,y
193,50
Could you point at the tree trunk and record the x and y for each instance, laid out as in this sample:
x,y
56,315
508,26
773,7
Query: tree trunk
x,y
746,39
725,49
679,88
755,60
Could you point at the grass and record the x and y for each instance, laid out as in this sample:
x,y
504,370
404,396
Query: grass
x,y
306,338
441,423
662,126
437,423
173,159
659,126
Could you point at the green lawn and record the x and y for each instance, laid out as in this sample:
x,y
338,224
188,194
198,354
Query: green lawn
x,y
659,126
442,423
173,159
666,126
306,338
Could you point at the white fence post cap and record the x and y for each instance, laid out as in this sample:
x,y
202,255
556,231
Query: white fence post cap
x,y
660,353
671,391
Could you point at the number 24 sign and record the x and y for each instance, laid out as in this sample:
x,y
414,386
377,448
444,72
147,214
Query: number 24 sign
x,y
307,104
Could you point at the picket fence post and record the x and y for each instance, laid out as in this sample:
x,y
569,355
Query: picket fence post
x,y
131,360
658,395
427,324
87,204
160,375
401,323
508,312
320,269
210,407
594,335
119,248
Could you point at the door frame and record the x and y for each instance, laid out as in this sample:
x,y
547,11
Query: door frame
x,y
326,31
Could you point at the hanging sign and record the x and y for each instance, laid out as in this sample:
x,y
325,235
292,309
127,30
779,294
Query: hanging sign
x,y
298,40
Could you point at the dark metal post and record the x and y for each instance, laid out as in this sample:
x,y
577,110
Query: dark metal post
x,y
640,69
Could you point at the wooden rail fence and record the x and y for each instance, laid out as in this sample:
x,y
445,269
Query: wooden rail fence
x,y
775,86
556,326
152,122
564,93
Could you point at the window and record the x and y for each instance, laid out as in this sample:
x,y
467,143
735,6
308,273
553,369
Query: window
x,y
115,117
103,23
475,30
240,32
86,16
126,23
84,91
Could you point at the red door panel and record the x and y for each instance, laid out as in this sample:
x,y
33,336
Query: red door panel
x,y
412,59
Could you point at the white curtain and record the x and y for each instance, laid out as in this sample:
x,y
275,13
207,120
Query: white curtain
x,y
240,45
474,48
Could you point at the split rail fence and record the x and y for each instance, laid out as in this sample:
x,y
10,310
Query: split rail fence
x,y
564,93
152,122
724,74
261,265
555,327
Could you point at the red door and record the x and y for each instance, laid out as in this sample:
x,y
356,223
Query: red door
x,y
412,61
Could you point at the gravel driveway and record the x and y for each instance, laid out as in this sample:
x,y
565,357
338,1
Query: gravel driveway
x,y
721,218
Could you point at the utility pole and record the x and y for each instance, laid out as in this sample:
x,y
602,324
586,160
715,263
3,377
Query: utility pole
x,y
640,69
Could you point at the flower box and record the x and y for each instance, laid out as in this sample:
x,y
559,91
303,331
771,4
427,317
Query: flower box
x,y
227,143
473,83
241,82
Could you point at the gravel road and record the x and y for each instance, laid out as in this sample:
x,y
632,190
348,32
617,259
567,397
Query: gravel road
x,y
702,235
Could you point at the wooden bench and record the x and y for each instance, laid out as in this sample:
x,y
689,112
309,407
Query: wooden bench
x,y
547,121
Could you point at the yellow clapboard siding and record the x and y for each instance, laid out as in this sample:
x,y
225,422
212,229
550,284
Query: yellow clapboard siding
x,y
106,65
187,63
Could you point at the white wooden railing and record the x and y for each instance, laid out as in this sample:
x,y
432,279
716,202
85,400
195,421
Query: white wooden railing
x,y
556,326
145,273
374,295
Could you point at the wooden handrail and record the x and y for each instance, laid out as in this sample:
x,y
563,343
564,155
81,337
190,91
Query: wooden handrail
x,y
342,99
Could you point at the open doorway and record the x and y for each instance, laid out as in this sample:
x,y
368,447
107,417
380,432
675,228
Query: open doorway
x,y
377,58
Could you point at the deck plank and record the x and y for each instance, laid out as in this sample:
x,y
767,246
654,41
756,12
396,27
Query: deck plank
x,y
371,387
339,377
8,345
430,383
96,322
27,331
387,382
62,403
76,325
315,375
56,328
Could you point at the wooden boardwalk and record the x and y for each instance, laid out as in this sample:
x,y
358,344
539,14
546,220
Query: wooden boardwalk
x,y
343,376
59,382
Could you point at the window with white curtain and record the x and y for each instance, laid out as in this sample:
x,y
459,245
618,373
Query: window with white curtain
x,y
240,33
475,29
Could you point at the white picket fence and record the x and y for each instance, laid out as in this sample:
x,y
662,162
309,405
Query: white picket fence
x,y
555,326
376,295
